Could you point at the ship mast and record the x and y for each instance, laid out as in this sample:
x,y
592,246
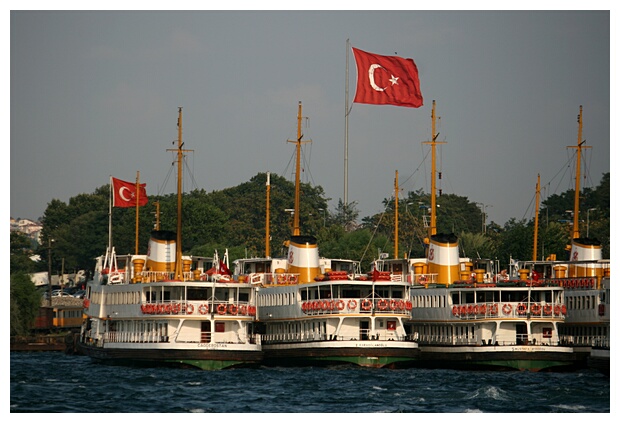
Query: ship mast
x,y
579,146
396,215
432,230
178,270
298,143
536,219
267,235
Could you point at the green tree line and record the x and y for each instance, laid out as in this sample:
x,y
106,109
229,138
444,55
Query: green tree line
x,y
235,219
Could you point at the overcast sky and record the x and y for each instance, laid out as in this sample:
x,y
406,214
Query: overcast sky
x,y
95,94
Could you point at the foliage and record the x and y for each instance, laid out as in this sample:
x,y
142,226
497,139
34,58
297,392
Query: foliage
x,y
25,302
234,219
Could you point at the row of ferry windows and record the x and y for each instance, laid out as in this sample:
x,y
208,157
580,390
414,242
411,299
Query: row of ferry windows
x,y
468,297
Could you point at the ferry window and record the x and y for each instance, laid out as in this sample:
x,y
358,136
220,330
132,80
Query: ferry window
x,y
219,326
469,297
304,295
197,294
244,296
456,299
350,293
397,294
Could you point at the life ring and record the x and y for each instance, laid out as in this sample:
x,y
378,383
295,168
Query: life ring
x,y
547,309
352,305
557,309
393,304
476,309
483,309
507,309
233,309
86,303
143,308
382,304
470,309
463,310
494,308
203,309
401,304
408,305
252,310
521,309
324,305
221,309
340,305
422,279
366,304
564,309
455,310
535,309
243,309
190,309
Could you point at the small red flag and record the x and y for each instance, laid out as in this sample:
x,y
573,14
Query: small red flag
x,y
125,194
386,80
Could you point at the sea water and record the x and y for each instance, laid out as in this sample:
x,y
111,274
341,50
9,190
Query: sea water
x,y
53,382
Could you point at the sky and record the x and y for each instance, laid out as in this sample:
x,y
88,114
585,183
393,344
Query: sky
x,y
95,94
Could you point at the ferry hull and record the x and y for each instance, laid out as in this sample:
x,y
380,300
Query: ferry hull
x,y
315,354
521,358
200,359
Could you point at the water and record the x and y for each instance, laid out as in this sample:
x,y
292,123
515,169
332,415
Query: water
x,y
60,383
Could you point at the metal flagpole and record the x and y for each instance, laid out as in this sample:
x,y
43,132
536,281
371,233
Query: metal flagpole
x,y
346,133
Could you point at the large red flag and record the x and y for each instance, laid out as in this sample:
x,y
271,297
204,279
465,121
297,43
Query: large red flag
x,y
125,194
386,80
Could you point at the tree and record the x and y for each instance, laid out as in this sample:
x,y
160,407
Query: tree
x,y
25,303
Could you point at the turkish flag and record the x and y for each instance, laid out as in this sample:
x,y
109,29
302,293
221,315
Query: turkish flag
x,y
125,194
386,80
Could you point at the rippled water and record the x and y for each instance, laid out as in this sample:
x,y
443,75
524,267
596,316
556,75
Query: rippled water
x,y
55,382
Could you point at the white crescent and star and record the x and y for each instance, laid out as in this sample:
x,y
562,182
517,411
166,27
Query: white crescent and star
x,y
371,77
120,193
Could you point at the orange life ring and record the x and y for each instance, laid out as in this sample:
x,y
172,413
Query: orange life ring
x,y
455,310
564,309
243,309
507,308
483,309
521,309
203,309
535,309
393,304
470,309
476,309
324,305
463,310
494,308
352,304
221,309
408,305
190,309
233,309
557,309
547,309
382,304
401,304
366,304
252,310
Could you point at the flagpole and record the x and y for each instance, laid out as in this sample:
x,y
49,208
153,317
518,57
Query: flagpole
x,y
137,207
346,133
110,217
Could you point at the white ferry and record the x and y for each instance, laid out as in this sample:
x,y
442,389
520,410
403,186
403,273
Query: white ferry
x,y
309,315
164,308
315,311
470,315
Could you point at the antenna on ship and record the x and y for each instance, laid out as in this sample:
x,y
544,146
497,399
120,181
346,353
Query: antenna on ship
x,y
298,143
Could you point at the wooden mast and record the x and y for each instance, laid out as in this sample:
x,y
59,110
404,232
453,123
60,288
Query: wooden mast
x,y
536,219
579,146
267,235
178,269
432,229
137,208
298,143
396,215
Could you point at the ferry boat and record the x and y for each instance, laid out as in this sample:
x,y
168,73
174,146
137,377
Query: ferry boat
x,y
168,309
469,315
311,314
586,281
